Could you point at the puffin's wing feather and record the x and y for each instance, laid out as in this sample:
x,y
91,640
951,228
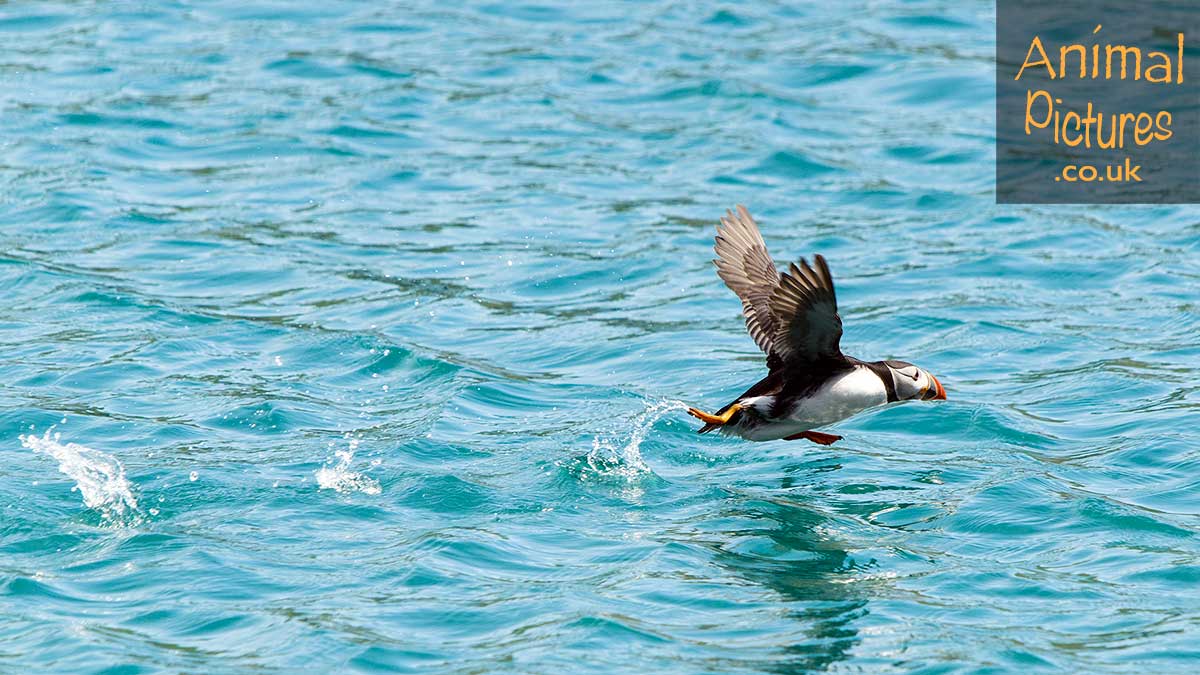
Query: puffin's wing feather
x,y
804,306
744,264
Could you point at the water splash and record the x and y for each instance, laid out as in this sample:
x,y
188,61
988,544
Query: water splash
x,y
99,477
340,478
616,455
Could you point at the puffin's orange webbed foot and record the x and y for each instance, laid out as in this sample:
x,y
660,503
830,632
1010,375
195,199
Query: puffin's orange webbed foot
x,y
718,420
814,436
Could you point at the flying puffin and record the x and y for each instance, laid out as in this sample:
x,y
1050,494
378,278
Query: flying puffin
x,y
793,318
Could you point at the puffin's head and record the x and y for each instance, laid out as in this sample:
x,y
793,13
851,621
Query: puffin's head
x,y
913,383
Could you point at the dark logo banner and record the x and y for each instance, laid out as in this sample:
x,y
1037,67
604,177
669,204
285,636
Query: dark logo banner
x,y
1097,102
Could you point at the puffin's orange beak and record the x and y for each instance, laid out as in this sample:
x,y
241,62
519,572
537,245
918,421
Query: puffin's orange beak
x,y
938,393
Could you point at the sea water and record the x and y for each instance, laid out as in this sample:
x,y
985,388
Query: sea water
x,y
356,338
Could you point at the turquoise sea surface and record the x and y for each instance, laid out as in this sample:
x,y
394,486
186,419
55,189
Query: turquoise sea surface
x,y
351,337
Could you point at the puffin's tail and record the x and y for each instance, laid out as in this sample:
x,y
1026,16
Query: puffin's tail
x,y
707,428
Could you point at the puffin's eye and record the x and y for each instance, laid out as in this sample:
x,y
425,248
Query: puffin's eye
x,y
916,375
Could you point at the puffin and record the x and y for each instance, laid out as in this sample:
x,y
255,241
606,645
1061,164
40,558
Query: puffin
x,y
793,318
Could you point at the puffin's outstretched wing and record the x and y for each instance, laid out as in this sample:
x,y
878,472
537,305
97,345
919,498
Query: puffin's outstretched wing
x,y
748,270
791,316
804,305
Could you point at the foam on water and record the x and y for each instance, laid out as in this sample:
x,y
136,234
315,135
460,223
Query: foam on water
x,y
99,477
620,455
340,478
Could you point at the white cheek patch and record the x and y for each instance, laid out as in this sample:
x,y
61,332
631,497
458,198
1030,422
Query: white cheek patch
x,y
908,384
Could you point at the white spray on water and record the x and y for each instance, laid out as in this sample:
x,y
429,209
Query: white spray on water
x,y
339,477
613,455
99,477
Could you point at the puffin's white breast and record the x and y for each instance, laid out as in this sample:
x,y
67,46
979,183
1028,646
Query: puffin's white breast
x,y
839,398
